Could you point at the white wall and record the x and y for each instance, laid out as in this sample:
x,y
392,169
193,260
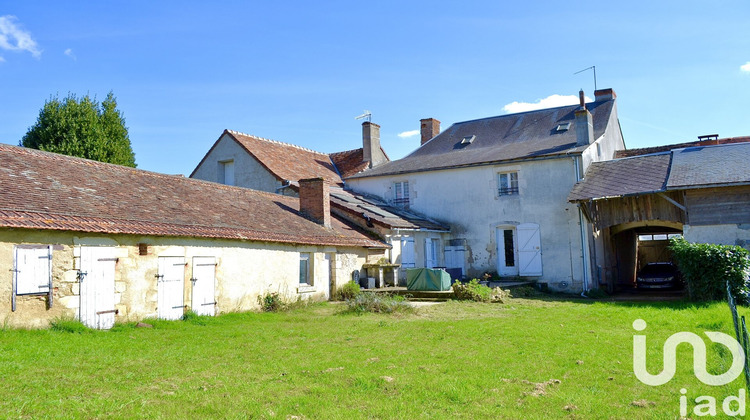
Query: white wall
x,y
248,172
467,200
729,234
244,271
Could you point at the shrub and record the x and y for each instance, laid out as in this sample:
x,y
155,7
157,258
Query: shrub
x,y
472,291
349,291
270,302
68,325
378,302
707,268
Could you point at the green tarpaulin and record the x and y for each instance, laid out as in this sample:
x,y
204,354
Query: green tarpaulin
x,y
427,279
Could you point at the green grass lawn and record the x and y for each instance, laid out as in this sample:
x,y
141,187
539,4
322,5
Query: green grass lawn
x,y
528,358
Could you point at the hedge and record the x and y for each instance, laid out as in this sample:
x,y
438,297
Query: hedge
x,y
706,269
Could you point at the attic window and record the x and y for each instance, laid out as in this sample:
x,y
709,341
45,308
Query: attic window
x,y
563,127
468,139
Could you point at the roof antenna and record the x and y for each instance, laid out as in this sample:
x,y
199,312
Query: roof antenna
x,y
589,68
366,115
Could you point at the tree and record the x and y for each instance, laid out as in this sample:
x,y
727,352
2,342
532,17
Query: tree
x,y
83,128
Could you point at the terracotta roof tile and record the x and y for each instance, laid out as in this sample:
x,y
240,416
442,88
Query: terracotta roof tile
x,y
41,190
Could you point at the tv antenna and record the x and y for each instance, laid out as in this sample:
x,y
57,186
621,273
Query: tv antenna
x,y
589,68
367,115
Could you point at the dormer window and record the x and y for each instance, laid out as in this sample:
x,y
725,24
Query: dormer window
x,y
468,140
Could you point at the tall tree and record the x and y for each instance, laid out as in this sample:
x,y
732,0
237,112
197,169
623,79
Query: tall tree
x,y
84,128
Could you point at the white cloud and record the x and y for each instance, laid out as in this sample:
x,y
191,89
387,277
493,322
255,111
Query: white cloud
x,y
551,101
410,133
15,38
69,53
745,67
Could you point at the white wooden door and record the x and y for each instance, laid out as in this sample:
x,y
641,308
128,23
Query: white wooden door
x,y
529,249
455,257
171,288
407,253
507,255
97,286
204,286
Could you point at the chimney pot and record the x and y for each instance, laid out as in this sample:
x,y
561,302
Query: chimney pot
x,y
604,95
371,151
314,200
429,128
582,99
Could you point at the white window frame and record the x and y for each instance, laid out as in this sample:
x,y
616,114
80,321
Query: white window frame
x,y
401,194
507,183
306,257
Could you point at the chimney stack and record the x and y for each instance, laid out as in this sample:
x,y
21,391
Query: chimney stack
x,y
604,95
371,151
429,127
314,200
584,124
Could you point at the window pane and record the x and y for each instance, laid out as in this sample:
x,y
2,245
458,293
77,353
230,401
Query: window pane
x,y
509,254
303,269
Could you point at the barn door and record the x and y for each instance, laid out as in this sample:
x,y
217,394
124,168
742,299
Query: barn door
x,y
97,286
529,249
204,286
171,287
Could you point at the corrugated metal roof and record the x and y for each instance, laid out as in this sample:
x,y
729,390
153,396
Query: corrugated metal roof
x,y
710,165
620,177
41,190
503,138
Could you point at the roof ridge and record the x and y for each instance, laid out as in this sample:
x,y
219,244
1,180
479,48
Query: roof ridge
x,y
344,151
276,141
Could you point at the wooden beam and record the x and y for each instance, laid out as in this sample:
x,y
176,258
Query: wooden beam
x,y
676,204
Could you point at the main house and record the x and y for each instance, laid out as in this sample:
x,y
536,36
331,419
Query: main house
x,y
102,242
501,185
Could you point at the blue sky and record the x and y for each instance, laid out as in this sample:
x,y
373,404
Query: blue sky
x,y
299,72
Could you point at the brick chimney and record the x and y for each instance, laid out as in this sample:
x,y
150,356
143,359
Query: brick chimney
x,y
604,95
584,123
371,151
429,127
314,200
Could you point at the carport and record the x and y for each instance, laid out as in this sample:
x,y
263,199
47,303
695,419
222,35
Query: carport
x,y
632,213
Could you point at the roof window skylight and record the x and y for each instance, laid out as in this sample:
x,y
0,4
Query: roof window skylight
x,y
563,127
468,139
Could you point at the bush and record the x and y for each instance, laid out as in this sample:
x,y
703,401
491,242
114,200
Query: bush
x,y
271,302
706,269
69,325
348,291
472,291
378,302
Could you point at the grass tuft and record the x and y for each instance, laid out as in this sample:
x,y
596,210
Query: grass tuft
x,y
69,325
378,303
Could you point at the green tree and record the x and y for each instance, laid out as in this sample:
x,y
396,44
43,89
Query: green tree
x,y
84,128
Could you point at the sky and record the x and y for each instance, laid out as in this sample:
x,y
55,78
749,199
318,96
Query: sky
x,y
300,72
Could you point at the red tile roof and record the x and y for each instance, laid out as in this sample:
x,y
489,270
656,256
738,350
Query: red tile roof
x,y
40,190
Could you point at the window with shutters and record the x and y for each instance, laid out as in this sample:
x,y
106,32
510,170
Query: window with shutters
x,y
32,269
431,249
401,194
